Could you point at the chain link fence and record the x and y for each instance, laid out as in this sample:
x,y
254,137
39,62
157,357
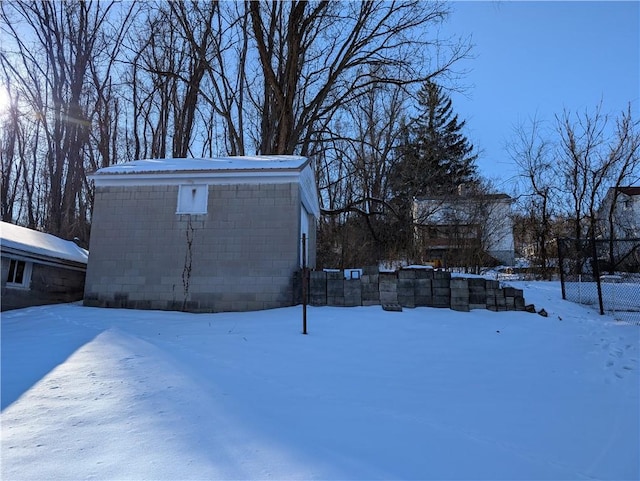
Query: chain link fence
x,y
604,274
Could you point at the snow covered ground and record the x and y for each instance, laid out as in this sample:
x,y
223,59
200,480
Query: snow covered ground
x,y
422,394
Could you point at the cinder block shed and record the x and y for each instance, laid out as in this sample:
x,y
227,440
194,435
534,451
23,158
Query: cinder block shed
x,y
201,235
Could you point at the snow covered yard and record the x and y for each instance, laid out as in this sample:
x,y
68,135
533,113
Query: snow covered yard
x,y
423,394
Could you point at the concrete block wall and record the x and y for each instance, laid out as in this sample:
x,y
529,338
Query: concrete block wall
x,y
460,294
441,289
413,288
406,288
242,255
370,289
388,287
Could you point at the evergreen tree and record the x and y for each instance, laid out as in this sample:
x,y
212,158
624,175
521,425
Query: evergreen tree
x,y
434,156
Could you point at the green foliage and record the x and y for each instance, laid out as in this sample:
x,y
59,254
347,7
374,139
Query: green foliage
x,y
435,157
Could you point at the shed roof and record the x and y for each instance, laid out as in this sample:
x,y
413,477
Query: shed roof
x,y
38,243
236,164
221,170
630,190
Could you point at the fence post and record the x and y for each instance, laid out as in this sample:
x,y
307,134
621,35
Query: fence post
x,y
580,289
559,243
596,273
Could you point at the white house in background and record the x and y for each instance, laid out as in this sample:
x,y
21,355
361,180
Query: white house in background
x,y
467,227
626,213
39,268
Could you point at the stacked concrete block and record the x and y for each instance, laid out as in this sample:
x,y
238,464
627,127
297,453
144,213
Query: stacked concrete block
x,y
440,289
504,299
370,270
370,291
335,288
352,292
477,293
509,298
411,288
459,294
406,288
423,295
514,299
519,300
491,288
318,288
388,287
501,301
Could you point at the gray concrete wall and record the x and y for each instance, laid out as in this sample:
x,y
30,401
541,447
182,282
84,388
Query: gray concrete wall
x,y
241,255
412,288
49,285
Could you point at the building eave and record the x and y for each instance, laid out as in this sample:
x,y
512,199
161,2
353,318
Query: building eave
x,y
25,255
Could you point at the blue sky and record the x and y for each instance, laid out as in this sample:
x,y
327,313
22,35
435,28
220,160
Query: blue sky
x,y
537,59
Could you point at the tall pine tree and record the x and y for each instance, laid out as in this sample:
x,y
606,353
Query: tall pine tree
x,y
434,156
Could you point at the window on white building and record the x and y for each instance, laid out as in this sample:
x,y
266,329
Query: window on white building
x,y
19,274
192,199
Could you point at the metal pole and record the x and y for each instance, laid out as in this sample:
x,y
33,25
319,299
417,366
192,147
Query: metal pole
x,y
596,273
304,284
560,245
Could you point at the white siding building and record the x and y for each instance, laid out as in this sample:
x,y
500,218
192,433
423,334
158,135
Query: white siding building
x,y
458,229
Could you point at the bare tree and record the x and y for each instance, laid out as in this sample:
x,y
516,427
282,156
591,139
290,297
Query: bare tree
x,y
229,81
196,22
624,153
582,166
11,138
318,56
218,78
594,159
157,66
353,172
533,154
569,171
51,68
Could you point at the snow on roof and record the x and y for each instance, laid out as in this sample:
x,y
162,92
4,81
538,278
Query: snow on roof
x,y
237,163
34,242
235,169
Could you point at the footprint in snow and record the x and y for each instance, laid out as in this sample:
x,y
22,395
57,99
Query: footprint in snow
x,y
616,352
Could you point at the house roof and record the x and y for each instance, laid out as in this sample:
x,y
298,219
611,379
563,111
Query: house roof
x,y
16,238
463,198
630,190
237,164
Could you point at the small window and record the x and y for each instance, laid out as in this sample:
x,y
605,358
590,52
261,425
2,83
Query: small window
x,y
192,199
19,274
